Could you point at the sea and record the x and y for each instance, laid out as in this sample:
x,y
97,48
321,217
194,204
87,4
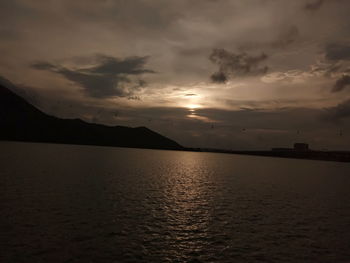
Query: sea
x,y
69,203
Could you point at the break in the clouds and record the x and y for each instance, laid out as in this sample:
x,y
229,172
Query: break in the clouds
x,y
109,77
179,67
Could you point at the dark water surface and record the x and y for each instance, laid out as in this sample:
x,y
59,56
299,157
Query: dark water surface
x,y
62,203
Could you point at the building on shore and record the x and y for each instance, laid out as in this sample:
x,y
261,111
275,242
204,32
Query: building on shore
x,y
299,147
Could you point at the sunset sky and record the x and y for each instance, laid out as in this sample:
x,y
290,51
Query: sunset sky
x,y
233,74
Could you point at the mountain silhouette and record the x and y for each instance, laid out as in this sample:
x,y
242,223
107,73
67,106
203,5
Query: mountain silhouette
x,y
21,121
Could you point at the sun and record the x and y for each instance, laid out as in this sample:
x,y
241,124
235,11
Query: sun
x,y
193,106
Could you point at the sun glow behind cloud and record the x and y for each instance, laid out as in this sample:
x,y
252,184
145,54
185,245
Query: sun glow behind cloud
x,y
193,107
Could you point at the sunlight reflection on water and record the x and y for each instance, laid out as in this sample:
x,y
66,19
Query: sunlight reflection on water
x,y
65,203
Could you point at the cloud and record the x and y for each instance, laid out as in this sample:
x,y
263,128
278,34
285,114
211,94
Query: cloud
x,y
314,5
336,64
287,37
236,64
107,77
338,51
44,66
341,111
179,36
289,76
341,83
219,77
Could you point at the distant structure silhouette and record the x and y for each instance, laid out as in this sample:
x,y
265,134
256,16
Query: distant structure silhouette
x,y
301,146
298,146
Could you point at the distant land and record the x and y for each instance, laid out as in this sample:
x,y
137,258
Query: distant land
x,y
21,121
337,156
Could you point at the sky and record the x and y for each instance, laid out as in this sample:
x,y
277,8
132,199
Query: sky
x,y
231,74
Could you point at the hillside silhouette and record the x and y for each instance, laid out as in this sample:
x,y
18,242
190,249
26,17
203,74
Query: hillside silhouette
x,y
21,121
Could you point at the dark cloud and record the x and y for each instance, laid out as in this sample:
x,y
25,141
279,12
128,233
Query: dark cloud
x,y
338,51
110,76
314,5
342,83
134,98
338,112
112,65
7,34
328,69
282,37
44,66
219,77
287,37
236,64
